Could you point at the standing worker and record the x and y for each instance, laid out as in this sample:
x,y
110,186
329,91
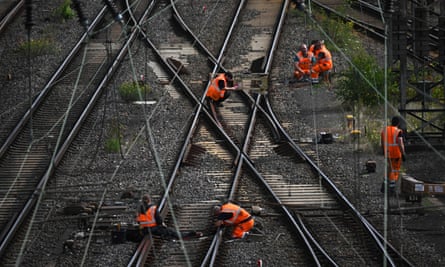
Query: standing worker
x,y
150,220
230,214
394,150
219,88
323,59
303,62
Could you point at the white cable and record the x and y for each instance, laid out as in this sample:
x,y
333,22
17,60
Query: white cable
x,y
59,140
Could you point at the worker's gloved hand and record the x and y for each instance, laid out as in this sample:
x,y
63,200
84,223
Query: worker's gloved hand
x,y
403,157
236,87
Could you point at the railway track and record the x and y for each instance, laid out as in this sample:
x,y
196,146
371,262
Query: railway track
x,y
273,185
415,38
41,138
228,151
8,11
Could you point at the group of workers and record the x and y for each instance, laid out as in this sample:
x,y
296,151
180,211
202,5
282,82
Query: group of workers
x,y
227,214
233,215
310,63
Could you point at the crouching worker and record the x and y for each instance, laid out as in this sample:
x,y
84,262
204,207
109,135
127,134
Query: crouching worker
x,y
230,214
303,61
323,62
150,221
220,87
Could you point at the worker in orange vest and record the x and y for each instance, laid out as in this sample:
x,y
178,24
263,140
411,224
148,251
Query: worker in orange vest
x,y
303,62
323,58
391,141
231,214
219,88
150,221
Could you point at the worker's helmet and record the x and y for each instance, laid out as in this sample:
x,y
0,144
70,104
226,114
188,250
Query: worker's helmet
x,y
303,47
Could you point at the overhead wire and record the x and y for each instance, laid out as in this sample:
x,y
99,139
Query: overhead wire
x,y
149,132
123,34
151,140
59,140
388,106
372,86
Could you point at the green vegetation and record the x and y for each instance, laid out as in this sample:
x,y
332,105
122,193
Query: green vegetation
x,y
342,34
112,145
113,142
134,91
361,87
365,88
36,47
65,11
363,84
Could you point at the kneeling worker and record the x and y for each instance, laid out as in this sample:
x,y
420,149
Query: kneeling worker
x,y
230,214
219,88
150,220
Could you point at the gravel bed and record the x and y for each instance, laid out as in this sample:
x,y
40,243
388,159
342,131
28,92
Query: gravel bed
x,y
144,161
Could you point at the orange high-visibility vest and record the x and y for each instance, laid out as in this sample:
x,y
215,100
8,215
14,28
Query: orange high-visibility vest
x,y
147,219
238,214
327,57
304,62
391,144
214,92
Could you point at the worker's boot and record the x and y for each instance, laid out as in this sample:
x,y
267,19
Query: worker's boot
x,y
392,187
314,77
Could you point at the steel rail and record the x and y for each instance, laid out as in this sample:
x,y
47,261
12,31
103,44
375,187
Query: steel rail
x,y
60,153
211,255
8,233
101,87
46,89
379,33
243,157
338,193
177,16
16,7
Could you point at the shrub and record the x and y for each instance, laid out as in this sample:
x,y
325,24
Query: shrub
x,y
353,88
134,91
37,47
65,11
